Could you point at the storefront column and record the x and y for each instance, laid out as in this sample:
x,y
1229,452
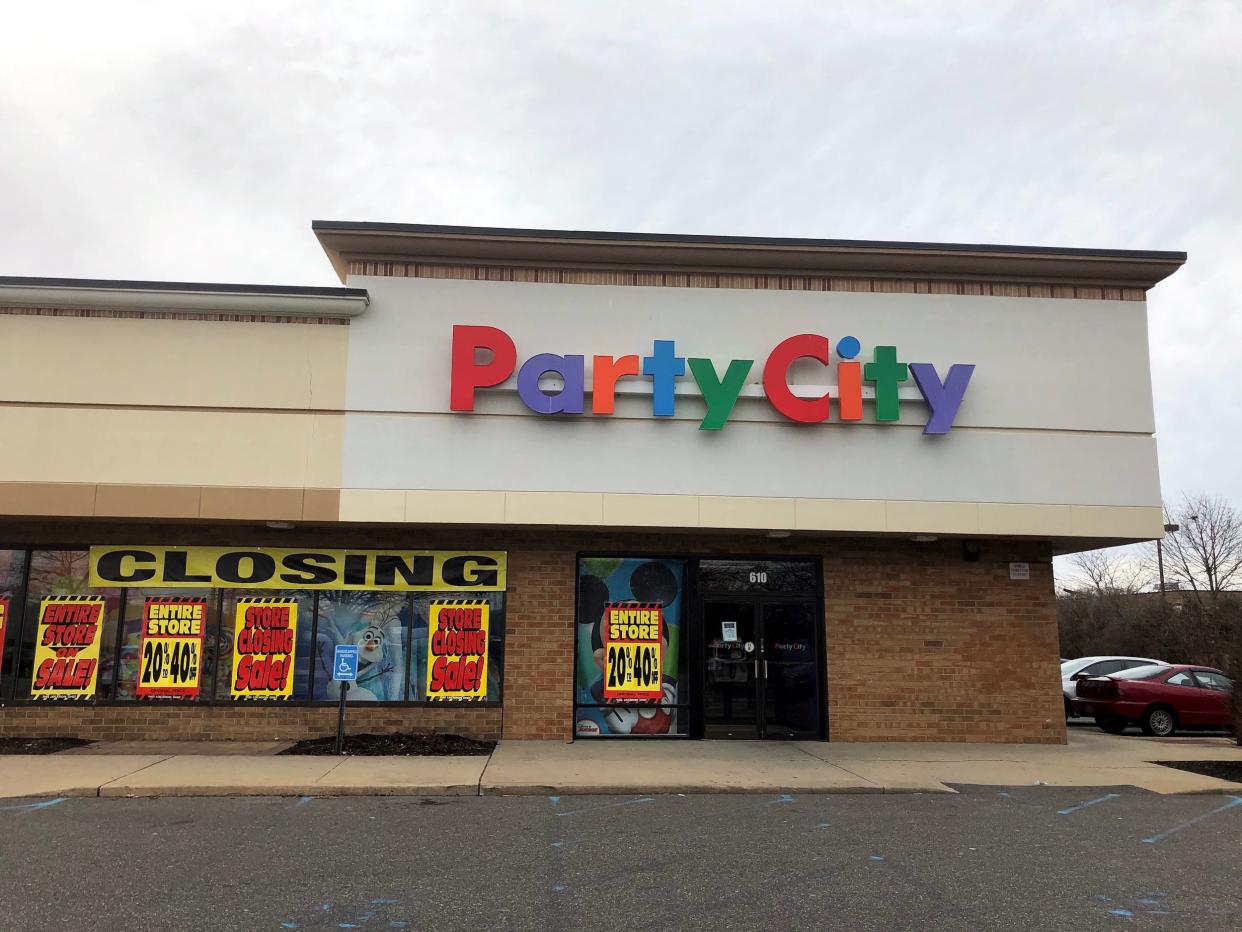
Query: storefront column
x,y
539,645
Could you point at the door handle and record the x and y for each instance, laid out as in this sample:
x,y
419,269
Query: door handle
x,y
765,669
756,669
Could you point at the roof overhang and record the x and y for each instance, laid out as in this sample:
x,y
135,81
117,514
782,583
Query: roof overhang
x,y
346,240
182,297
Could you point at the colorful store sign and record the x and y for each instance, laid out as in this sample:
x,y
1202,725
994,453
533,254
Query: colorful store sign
x,y
170,650
66,658
265,634
885,374
271,568
457,632
633,651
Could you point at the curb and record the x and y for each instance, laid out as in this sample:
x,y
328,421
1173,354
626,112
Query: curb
x,y
703,789
316,791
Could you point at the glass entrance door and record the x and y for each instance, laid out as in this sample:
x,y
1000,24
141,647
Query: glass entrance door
x,y
731,684
761,677
790,670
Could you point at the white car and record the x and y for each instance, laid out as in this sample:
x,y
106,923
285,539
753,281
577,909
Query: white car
x,y
1074,670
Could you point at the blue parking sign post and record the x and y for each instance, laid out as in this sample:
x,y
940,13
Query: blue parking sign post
x,y
344,671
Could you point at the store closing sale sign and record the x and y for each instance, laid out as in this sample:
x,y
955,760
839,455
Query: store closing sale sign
x,y
457,649
170,653
633,651
66,659
264,637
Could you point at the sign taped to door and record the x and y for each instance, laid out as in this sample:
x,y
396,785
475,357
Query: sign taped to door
x,y
634,641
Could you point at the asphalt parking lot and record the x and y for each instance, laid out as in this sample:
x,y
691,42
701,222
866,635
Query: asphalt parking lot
x,y
1018,858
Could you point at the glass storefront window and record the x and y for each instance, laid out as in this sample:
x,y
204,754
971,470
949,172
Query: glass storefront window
x,y
302,641
419,647
64,573
12,578
415,645
645,597
129,659
378,623
743,576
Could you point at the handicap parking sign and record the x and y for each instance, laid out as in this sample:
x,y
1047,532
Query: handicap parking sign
x,y
345,662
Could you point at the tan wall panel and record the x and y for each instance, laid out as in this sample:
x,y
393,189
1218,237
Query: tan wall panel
x,y
183,447
194,363
55,500
147,501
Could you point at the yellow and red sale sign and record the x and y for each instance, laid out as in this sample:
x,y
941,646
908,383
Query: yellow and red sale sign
x,y
457,649
633,651
170,651
66,659
264,636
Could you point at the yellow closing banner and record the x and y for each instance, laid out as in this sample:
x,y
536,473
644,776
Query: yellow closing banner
x,y
305,568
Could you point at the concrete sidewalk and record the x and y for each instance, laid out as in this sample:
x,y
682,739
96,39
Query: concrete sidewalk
x,y
617,767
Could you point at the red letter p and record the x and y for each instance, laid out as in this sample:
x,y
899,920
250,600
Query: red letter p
x,y
468,373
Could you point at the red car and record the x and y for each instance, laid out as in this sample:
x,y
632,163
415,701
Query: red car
x,y
1158,697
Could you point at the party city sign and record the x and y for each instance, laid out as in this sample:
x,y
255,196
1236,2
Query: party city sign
x,y
472,369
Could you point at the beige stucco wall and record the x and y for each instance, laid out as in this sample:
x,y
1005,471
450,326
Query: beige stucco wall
x,y
183,417
190,363
137,404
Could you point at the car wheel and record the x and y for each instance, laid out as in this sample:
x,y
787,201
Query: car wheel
x,y
1159,721
1111,724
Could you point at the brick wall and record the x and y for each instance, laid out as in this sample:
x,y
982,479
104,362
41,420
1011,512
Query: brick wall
x,y
925,646
235,723
922,644
539,644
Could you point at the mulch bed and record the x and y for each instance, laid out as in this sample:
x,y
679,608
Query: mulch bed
x,y
400,745
39,745
1221,769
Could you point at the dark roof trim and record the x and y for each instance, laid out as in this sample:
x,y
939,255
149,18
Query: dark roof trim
x,y
182,297
110,284
345,240
431,229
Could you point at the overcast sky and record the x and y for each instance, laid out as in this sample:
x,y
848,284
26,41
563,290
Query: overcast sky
x,y
196,141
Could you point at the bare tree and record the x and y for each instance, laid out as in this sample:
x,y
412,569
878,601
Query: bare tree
x,y
1110,572
1205,553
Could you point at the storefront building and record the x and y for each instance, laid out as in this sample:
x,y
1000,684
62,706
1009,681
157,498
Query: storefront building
x,y
569,486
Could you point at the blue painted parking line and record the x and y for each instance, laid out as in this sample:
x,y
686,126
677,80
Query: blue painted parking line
x,y
628,802
1088,804
34,807
1156,839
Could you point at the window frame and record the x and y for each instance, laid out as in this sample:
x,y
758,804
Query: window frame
x,y
1193,684
1201,675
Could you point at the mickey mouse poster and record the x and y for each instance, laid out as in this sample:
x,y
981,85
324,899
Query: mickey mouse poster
x,y
605,581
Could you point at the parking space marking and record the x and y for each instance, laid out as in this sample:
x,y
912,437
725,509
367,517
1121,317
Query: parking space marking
x,y
628,802
1088,803
1156,839
34,807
